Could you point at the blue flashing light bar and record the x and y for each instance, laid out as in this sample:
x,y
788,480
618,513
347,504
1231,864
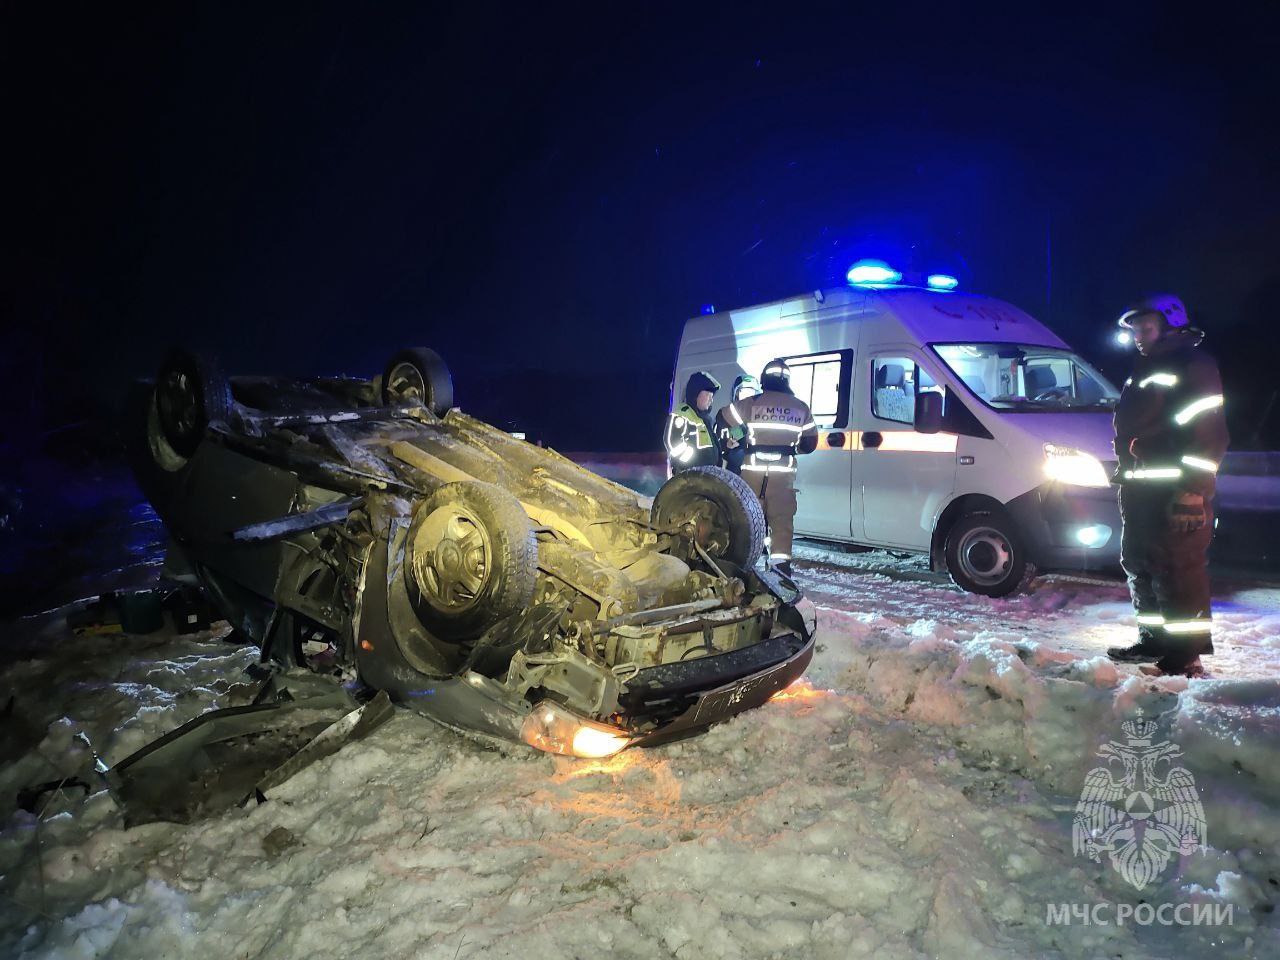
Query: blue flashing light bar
x,y
873,272
942,281
708,308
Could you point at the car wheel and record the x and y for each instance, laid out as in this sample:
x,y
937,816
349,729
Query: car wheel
x,y
418,374
471,559
985,555
716,510
190,393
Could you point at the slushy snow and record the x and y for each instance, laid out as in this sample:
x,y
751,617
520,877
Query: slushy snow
x,y
911,797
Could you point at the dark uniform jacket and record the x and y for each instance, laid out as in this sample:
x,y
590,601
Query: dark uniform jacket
x,y
1170,428
734,456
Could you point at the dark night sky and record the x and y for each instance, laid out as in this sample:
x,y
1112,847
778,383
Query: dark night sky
x,y
544,192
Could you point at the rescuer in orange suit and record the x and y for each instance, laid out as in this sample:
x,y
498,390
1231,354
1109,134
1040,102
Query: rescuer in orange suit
x,y
776,427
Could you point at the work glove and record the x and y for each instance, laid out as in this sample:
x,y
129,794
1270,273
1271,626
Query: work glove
x,y
1187,513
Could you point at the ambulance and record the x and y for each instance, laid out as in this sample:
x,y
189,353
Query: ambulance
x,y
952,425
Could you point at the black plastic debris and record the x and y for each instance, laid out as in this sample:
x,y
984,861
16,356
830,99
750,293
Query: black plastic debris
x,y
231,756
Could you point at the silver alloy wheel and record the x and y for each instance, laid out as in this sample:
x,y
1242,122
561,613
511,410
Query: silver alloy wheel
x,y
985,555
452,558
162,451
177,398
405,383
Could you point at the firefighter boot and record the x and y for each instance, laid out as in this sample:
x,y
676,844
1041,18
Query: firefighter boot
x,y
1147,650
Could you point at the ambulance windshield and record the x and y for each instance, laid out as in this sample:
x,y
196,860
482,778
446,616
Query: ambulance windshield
x,y
1022,377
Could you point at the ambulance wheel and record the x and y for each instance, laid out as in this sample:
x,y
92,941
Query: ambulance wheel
x,y
190,393
985,555
716,510
471,559
418,374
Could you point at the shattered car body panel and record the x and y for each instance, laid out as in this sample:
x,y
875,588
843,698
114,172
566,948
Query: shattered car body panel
x,y
486,582
229,756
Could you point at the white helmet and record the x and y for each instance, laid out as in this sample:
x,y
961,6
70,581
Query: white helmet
x,y
1165,304
776,376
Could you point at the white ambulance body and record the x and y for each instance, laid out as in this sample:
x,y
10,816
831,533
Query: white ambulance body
x,y
951,424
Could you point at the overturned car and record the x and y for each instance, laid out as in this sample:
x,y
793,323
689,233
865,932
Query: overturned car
x,y
369,530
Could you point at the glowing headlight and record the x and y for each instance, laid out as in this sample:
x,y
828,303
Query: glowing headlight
x,y
552,728
1094,535
1069,465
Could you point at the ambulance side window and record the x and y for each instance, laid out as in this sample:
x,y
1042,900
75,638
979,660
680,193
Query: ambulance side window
x,y
822,381
895,381
893,389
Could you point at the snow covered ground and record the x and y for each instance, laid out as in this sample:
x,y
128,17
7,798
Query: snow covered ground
x,y
912,797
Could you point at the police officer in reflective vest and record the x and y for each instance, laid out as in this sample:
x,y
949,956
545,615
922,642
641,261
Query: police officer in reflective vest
x,y
776,426
735,451
1171,436
691,439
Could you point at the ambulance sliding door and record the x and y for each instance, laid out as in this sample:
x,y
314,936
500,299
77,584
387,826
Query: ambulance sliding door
x,y
824,478
903,475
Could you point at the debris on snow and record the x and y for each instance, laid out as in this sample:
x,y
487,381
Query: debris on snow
x,y
912,796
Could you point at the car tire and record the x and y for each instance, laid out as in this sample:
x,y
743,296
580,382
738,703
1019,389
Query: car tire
x,y
418,373
985,554
189,394
471,559
716,509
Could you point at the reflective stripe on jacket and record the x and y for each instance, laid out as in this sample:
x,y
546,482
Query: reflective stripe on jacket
x,y
1170,425
775,426
689,441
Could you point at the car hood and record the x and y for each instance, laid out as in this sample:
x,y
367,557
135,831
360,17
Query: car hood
x,y
1090,432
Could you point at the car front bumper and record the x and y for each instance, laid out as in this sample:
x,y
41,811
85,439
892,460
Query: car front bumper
x,y
701,709
665,705
661,703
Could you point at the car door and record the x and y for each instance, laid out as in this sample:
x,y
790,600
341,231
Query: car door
x,y
224,490
903,475
824,478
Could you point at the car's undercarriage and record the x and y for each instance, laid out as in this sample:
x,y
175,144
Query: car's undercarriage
x,y
367,529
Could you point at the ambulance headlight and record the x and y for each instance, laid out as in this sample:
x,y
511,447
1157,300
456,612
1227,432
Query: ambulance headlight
x,y
1093,535
1074,467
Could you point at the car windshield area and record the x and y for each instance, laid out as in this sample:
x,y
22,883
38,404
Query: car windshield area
x,y
1023,377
